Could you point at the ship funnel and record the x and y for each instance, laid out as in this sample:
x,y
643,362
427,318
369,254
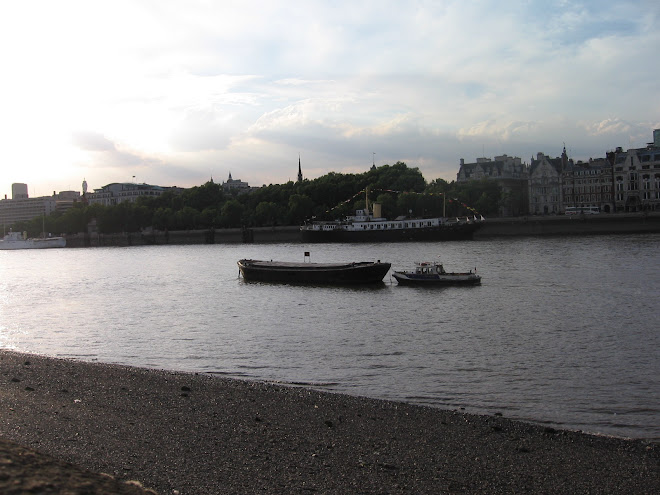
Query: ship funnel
x,y
378,211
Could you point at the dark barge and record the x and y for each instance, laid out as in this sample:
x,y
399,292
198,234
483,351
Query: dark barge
x,y
364,272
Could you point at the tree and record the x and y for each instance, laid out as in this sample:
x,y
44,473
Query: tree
x,y
163,219
208,218
267,213
483,195
300,209
231,214
187,218
406,203
204,196
388,205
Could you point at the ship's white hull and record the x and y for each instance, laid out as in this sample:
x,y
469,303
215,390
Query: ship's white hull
x,y
49,242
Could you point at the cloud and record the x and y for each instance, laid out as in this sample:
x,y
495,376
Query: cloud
x,y
608,126
92,141
104,153
247,86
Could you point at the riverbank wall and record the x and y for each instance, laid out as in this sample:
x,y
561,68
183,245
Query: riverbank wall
x,y
206,236
549,225
552,225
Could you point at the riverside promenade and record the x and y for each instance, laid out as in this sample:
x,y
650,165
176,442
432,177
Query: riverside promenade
x,y
61,421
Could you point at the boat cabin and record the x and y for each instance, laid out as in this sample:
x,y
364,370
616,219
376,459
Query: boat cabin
x,y
429,268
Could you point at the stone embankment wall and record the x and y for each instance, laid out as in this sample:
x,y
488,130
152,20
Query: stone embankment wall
x,y
571,225
206,236
495,227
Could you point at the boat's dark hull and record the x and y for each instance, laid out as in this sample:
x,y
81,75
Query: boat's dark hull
x,y
455,232
434,281
314,273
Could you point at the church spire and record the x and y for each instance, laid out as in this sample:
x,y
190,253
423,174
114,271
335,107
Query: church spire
x,y
300,177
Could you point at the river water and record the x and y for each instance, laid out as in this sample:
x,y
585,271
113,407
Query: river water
x,y
562,331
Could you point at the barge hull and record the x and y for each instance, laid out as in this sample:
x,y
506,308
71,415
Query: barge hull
x,y
314,273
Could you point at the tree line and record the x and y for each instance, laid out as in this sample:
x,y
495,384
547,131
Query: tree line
x,y
401,190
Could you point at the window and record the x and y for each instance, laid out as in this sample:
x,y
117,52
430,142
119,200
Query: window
x,y
633,184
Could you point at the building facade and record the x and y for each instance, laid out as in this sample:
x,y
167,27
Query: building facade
x,y
546,184
589,184
511,175
120,192
21,207
637,177
623,181
235,185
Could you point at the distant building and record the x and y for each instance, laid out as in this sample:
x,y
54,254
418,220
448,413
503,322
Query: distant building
x,y
235,185
637,177
545,184
589,184
120,192
21,207
66,199
300,177
19,191
511,175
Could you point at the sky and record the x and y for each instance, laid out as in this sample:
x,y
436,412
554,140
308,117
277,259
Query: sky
x,y
175,93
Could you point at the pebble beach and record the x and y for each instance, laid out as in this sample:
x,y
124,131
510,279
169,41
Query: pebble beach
x,y
76,427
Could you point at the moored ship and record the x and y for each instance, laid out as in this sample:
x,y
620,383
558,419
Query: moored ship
x,y
366,226
364,272
18,240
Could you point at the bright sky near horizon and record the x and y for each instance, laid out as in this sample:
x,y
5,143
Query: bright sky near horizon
x,y
173,93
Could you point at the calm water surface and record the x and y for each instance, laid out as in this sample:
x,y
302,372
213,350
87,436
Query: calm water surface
x,y
562,331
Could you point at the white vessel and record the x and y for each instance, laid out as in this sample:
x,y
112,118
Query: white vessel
x,y
370,226
18,240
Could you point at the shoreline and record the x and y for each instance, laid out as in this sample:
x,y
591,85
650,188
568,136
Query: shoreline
x,y
184,433
539,225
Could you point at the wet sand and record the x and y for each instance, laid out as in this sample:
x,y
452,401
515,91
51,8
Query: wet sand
x,y
198,434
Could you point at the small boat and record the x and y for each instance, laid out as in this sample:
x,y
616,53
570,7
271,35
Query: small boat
x,y
18,240
364,272
432,274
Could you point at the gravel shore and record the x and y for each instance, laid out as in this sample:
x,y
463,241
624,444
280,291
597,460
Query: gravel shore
x,y
198,434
